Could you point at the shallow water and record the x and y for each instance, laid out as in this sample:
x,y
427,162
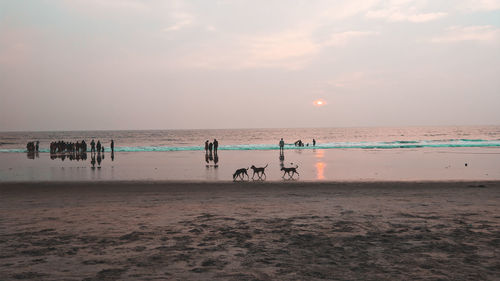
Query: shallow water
x,y
313,165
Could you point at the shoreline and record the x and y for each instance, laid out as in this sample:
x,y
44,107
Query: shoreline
x,y
238,184
319,165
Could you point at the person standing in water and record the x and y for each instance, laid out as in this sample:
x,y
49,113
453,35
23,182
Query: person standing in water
x,y
314,142
282,144
112,146
216,145
98,146
206,147
92,146
210,145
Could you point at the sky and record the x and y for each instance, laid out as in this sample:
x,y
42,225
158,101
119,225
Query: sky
x,y
127,64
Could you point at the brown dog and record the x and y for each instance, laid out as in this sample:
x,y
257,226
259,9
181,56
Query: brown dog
x,y
290,171
240,173
259,171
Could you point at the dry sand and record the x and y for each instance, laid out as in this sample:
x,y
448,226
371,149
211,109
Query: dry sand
x,y
250,231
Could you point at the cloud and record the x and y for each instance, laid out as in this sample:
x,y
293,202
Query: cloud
x,y
343,38
479,5
107,6
290,50
357,79
181,20
482,33
345,9
395,14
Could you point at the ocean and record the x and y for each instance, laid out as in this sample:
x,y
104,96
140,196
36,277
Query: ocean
x,y
266,139
340,154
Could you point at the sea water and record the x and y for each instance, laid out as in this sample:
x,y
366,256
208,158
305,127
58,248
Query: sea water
x,y
265,139
406,153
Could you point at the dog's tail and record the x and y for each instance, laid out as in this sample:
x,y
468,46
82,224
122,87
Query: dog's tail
x,y
266,165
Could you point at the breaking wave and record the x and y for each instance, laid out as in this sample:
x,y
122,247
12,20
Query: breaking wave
x,y
330,145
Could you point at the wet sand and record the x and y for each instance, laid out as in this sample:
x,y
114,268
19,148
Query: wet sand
x,y
250,231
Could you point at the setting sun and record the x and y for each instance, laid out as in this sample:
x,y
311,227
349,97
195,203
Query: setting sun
x,y
319,102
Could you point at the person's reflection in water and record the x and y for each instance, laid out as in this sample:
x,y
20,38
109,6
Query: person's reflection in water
x,y
92,155
112,155
207,160
30,155
282,158
216,160
99,160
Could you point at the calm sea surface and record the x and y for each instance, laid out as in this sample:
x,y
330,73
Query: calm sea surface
x,y
266,139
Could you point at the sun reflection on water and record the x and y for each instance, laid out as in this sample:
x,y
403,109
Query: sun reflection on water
x,y
320,165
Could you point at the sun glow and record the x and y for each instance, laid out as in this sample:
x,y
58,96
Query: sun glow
x,y
319,102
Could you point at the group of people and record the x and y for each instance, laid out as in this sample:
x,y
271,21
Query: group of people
x,y
300,143
209,148
32,146
71,150
296,143
62,147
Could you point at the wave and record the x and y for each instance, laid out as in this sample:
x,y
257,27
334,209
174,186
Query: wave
x,y
330,145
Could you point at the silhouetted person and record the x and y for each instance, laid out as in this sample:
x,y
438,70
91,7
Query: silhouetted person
x,y
314,142
282,145
37,146
210,146
206,147
98,146
92,146
216,146
102,149
112,146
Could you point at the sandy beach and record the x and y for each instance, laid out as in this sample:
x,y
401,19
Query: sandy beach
x,y
250,231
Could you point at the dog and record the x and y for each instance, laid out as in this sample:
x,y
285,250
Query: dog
x,y
241,173
290,171
259,171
